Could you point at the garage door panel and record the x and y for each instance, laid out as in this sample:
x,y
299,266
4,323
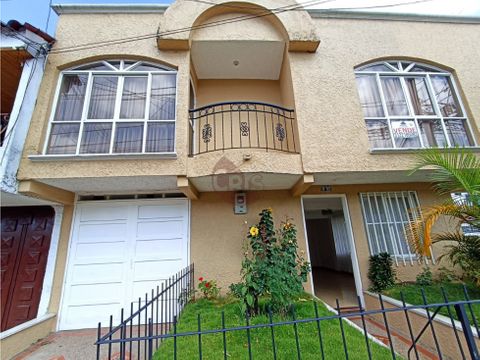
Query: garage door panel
x,y
100,252
78,317
120,250
103,213
102,232
100,293
102,273
158,249
153,270
161,211
160,229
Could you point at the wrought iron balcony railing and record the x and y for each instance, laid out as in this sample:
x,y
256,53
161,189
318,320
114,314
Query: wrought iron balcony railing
x,y
4,117
242,125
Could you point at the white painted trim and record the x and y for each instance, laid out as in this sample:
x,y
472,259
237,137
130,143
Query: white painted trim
x,y
51,262
308,246
314,13
108,8
353,249
440,318
135,156
370,15
25,325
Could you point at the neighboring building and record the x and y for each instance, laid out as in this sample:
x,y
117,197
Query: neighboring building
x,y
151,120
27,223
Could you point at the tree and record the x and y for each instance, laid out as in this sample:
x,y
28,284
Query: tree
x,y
451,171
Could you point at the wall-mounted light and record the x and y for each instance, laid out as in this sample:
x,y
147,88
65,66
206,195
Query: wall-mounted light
x,y
236,62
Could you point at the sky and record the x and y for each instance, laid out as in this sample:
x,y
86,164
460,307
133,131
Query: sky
x,y
36,11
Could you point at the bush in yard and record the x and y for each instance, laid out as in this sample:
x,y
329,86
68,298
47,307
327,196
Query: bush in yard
x,y
381,272
451,171
446,275
208,288
425,278
272,267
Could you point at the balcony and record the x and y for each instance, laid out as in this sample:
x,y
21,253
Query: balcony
x,y
242,125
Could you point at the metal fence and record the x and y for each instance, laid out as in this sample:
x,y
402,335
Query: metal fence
x,y
139,334
425,339
239,125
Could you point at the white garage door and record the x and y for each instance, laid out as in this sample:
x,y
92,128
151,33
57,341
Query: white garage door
x,y
119,251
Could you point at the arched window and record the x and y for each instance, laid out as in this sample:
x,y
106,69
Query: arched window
x,y
411,105
114,107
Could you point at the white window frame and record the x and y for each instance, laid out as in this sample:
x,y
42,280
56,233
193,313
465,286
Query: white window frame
x,y
393,237
121,73
401,73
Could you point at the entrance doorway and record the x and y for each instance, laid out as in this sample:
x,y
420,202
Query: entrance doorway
x,y
330,247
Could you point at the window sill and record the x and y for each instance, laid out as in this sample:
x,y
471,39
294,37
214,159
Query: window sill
x,y
414,150
155,156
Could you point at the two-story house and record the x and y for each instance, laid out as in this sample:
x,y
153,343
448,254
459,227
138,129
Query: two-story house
x,y
165,130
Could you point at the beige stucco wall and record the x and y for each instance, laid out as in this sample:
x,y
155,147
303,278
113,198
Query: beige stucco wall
x,y
73,30
321,88
328,109
211,91
14,344
217,235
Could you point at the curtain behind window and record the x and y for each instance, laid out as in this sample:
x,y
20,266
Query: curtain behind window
x,y
72,96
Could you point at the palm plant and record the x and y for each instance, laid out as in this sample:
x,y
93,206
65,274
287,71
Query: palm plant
x,y
451,171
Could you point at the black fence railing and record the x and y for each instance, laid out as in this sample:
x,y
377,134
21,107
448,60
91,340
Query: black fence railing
x,y
139,334
423,337
242,124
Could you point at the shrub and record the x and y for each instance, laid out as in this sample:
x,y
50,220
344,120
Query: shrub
x,y
272,267
381,272
446,275
425,278
209,288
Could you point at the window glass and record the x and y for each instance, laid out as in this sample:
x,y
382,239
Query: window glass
x,y
377,67
432,133
422,104
134,96
416,105
394,97
63,139
369,96
379,134
102,98
96,138
162,98
458,133
107,102
446,99
160,137
71,97
405,134
128,138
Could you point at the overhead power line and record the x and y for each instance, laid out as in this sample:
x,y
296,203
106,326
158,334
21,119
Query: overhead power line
x,y
189,28
266,12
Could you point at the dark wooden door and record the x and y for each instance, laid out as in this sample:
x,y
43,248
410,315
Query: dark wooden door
x,y
25,240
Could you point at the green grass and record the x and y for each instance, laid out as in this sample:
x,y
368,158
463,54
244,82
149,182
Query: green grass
x,y
261,339
433,294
